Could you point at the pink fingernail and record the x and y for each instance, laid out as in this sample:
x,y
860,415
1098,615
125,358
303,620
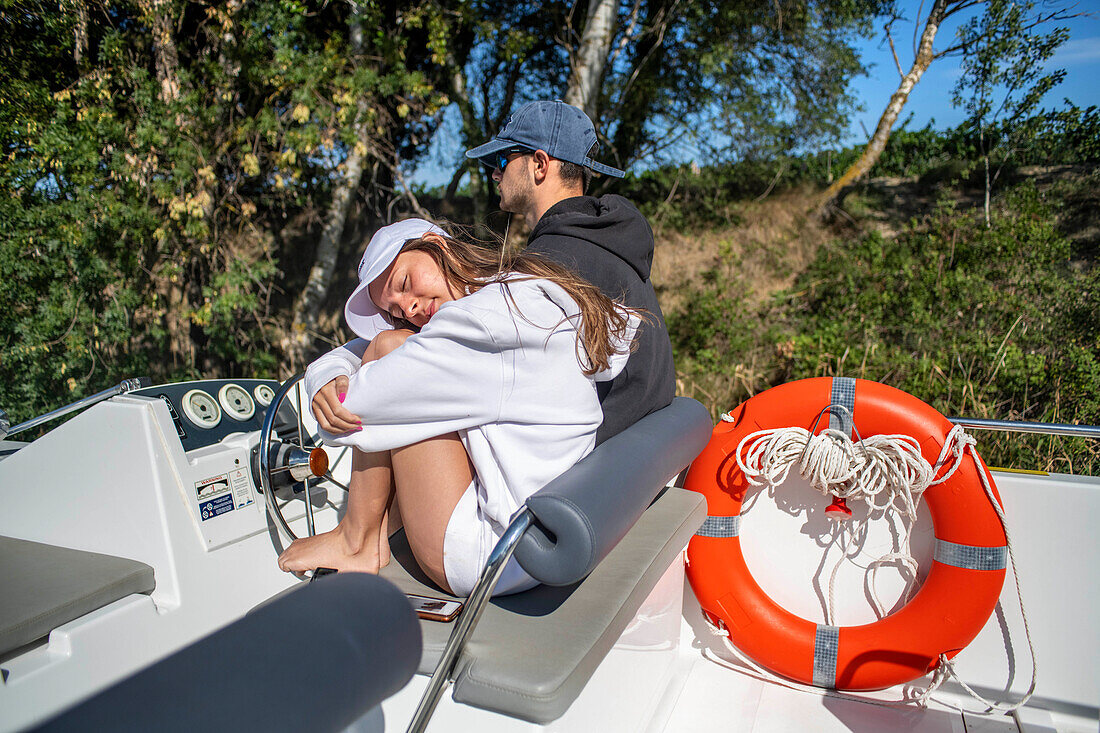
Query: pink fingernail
x,y
341,396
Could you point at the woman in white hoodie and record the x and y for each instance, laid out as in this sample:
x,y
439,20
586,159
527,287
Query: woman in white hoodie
x,y
483,393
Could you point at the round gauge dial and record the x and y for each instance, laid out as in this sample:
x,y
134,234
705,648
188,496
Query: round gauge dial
x,y
264,394
201,409
236,402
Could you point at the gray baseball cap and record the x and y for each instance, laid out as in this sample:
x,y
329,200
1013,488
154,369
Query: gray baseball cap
x,y
560,129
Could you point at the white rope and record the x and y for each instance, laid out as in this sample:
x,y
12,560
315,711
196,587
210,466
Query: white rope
x,y
946,666
886,472
882,470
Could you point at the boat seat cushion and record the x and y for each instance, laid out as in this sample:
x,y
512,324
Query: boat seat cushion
x,y
583,513
44,586
533,652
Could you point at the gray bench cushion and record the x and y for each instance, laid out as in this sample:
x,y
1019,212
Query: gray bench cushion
x,y
44,586
533,652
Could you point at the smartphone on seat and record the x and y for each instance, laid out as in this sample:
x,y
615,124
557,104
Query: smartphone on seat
x,y
434,609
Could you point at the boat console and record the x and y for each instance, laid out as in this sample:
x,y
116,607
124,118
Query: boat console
x,y
162,479
164,486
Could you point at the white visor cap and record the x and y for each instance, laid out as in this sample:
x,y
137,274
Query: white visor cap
x,y
362,315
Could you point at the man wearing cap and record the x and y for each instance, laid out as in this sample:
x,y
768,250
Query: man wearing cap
x,y
541,161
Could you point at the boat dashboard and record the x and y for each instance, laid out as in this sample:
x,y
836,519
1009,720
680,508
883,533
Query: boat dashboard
x,y
205,412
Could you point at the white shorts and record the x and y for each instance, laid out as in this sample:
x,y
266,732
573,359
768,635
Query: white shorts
x,y
466,546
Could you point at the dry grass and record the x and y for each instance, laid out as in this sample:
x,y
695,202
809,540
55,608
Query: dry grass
x,y
771,243
775,239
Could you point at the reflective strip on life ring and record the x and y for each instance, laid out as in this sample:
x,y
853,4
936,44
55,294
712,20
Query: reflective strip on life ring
x,y
943,616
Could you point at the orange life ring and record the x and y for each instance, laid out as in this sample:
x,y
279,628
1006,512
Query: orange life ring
x,y
945,614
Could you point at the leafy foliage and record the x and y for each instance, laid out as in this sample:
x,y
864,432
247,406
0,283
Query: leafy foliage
x,y
736,80
1004,78
994,322
679,196
149,177
169,164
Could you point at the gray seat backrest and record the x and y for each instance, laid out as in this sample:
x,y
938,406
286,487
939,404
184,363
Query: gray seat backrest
x,y
581,515
563,533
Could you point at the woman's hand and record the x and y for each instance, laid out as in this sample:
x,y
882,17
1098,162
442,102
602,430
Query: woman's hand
x,y
329,410
384,343
328,405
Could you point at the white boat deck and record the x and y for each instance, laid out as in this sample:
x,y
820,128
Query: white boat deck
x,y
715,686
705,689
113,480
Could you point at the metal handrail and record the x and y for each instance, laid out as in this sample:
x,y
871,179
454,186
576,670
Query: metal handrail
x,y
467,620
126,385
1019,426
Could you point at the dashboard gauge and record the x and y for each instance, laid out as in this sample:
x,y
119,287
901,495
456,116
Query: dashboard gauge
x,y
201,409
264,394
236,402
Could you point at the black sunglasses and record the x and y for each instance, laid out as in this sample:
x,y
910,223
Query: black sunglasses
x,y
502,160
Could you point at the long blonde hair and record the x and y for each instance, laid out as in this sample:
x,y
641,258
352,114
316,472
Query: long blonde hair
x,y
470,267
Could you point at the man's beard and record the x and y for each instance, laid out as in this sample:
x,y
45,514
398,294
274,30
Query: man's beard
x,y
519,197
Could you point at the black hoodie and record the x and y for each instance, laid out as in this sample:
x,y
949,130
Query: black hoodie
x,y
609,243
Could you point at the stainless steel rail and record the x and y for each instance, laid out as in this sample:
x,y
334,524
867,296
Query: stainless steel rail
x,y
467,620
1018,426
126,385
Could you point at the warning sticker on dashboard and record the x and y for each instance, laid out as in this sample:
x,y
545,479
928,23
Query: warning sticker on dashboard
x,y
216,506
210,487
242,487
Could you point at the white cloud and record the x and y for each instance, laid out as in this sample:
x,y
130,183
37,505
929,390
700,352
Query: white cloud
x,y
1077,51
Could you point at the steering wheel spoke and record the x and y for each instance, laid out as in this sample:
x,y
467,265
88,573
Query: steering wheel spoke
x,y
329,477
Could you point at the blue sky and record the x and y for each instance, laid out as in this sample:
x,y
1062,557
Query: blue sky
x,y
931,98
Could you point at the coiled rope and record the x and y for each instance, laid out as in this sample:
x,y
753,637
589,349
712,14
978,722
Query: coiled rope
x,y
888,473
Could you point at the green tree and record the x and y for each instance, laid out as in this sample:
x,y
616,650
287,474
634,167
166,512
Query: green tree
x,y
498,53
1004,79
735,80
731,79
167,165
988,17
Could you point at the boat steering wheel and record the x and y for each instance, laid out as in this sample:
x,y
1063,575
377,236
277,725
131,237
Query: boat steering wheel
x,y
281,463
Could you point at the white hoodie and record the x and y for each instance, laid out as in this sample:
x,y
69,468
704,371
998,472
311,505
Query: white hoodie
x,y
505,375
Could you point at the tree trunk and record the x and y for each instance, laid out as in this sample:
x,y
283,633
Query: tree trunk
x,y
988,184
80,33
307,309
877,144
158,15
589,63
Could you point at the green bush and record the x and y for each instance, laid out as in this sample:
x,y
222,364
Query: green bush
x,y
995,322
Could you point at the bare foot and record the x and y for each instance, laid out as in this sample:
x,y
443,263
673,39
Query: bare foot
x,y
332,550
